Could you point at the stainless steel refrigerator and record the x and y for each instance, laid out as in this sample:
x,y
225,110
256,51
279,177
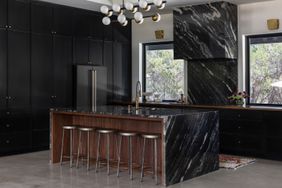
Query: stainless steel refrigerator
x,y
91,87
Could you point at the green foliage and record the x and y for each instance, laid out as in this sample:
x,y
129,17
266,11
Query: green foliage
x,y
164,75
266,69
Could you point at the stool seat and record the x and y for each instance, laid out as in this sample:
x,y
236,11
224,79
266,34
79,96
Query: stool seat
x,y
86,129
69,127
104,131
127,134
150,136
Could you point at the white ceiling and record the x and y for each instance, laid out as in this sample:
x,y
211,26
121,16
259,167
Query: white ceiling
x,y
95,4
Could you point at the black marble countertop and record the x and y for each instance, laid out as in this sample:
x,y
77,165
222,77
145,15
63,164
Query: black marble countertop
x,y
148,112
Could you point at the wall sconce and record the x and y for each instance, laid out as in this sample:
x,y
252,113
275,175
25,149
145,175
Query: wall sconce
x,y
159,34
273,24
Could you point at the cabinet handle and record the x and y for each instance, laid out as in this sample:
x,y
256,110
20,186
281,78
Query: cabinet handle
x,y
8,125
8,113
239,127
8,142
239,142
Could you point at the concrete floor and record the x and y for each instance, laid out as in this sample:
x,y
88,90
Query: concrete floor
x,y
34,171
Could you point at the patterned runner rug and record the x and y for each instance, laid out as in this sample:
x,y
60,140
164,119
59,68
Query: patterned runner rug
x,y
234,162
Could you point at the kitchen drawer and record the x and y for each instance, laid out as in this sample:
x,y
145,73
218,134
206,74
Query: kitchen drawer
x,y
15,124
243,145
241,115
241,127
273,124
14,142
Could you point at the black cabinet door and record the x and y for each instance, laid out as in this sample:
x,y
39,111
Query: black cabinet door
x,y
3,68
42,71
96,52
63,77
97,26
108,32
63,20
108,62
82,23
121,70
19,15
41,18
3,13
81,50
18,69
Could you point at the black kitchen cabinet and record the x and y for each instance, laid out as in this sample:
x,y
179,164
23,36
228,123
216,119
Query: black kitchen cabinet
x,y
3,68
3,13
108,32
81,50
121,72
96,26
18,70
63,71
14,142
96,52
19,15
41,18
42,70
108,62
63,17
82,23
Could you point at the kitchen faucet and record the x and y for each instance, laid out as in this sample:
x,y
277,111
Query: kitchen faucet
x,y
138,94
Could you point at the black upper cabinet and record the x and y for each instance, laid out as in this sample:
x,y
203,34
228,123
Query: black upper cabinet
x,y
19,15
96,26
3,68
82,23
18,70
62,53
3,13
108,32
63,20
41,18
42,71
81,50
96,52
108,62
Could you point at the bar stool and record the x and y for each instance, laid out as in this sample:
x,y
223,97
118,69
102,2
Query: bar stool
x,y
70,129
87,131
155,139
107,133
129,135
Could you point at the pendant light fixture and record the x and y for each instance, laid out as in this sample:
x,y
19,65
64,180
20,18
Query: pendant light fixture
x,y
133,8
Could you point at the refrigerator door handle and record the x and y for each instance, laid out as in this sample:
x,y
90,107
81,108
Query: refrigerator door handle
x,y
94,90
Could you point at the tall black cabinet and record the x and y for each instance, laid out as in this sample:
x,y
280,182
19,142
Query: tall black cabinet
x,y
40,43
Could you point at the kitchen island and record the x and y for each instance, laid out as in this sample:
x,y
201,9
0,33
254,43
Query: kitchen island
x,y
188,145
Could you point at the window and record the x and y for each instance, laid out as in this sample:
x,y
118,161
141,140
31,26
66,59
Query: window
x,y
264,65
163,75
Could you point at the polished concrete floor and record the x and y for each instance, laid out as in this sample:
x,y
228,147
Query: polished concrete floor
x,y
34,171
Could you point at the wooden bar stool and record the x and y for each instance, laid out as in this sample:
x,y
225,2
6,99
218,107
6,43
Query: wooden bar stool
x,y
107,133
87,131
70,129
129,135
155,161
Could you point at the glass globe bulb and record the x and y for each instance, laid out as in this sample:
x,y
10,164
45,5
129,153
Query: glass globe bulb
x,y
116,7
148,8
138,16
125,23
121,18
156,17
140,22
129,6
158,2
104,9
106,21
143,4
162,6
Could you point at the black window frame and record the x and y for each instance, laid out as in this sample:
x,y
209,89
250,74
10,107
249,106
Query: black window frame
x,y
144,59
248,69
